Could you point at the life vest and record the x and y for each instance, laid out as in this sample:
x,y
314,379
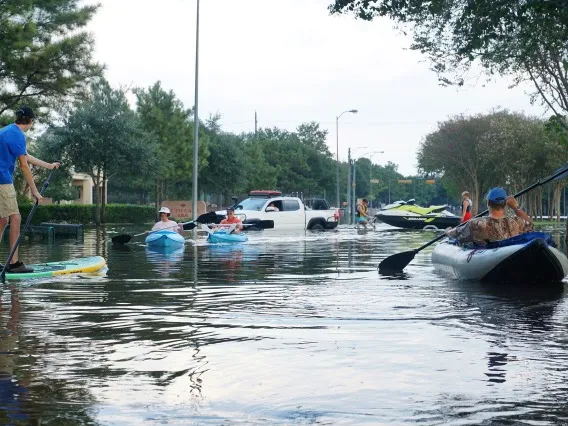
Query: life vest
x,y
364,208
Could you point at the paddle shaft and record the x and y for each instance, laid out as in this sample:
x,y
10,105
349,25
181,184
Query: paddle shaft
x,y
518,194
26,226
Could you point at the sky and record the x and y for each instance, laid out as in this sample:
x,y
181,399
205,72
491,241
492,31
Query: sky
x,y
291,62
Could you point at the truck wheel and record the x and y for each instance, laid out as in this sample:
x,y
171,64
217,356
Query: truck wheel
x,y
317,227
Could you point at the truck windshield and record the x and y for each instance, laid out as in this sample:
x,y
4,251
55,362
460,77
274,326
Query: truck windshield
x,y
252,204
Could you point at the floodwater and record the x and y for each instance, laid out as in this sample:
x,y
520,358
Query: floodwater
x,y
287,329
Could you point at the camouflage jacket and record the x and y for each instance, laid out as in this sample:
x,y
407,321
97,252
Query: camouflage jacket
x,y
485,229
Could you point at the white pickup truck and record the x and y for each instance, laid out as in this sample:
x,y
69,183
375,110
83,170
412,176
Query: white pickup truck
x,y
288,213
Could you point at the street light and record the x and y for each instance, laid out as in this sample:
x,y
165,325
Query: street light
x,y
196,119
352,111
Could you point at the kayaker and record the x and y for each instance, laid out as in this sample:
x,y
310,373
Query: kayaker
x,y
231,219
362,218
497,226
466,207
12,148
165,222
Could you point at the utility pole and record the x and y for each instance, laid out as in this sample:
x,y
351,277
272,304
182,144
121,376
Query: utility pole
x,y
255,125
348,208
196,121
354,210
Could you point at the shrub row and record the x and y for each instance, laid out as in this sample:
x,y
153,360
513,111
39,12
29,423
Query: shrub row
x,y
85,213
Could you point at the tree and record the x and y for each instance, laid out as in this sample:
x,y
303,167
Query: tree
x,y
165,120
45,57
102,138
523,39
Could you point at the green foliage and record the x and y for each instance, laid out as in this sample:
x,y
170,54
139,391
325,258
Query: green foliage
x,y
86,213
524,39
168,125
479,152
45,54
102,138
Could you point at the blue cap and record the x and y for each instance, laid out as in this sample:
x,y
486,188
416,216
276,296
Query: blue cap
x,y
497,195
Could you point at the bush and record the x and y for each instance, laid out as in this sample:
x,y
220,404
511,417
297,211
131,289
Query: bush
x,y
85,213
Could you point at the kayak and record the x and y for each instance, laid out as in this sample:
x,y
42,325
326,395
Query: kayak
x,y
51,269
529,257
165,238
221,236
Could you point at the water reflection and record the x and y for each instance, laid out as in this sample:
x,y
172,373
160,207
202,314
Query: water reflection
x,y
285,329
13,390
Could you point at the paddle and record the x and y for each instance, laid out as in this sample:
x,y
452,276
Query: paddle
x,y
187,226
397,262
26,226
261,224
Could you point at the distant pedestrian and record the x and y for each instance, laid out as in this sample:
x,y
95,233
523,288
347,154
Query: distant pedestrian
x,y
466,207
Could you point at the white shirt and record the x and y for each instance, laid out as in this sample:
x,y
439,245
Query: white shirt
x,y
170,224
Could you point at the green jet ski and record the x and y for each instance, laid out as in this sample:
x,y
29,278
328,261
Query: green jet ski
x,y
406,214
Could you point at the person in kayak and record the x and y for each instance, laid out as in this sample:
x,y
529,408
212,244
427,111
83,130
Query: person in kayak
x,y
12,148
166,223
231,219
362,218
466,207
497,226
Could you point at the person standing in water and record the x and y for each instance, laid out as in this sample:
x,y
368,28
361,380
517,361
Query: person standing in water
x,y
466,207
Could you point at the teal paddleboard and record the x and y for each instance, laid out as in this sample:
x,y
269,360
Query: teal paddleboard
x,y
52,269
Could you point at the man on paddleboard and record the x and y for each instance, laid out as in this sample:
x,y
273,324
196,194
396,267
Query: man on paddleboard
x,y
12,148
497,226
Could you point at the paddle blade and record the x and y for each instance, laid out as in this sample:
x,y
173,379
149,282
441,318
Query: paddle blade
x,y
267,224
397,262
189,226
206,217
121,239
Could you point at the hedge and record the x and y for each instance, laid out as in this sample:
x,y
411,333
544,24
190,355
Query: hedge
x,y
85,213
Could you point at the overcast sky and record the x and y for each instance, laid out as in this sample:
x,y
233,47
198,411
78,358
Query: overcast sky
x,y
291,62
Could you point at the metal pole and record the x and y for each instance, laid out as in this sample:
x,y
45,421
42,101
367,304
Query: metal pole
x,y
354,210
389,191
337,159
348,209
196,120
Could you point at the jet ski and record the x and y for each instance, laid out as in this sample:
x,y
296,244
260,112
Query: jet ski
x,y
406,214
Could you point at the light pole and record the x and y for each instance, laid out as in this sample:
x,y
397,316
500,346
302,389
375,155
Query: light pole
x,y
352,111
196,119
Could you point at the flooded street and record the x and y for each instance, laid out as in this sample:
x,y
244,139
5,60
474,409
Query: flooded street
x,y
287,329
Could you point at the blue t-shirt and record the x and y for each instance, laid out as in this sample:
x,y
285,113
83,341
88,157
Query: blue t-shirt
x,y
12,145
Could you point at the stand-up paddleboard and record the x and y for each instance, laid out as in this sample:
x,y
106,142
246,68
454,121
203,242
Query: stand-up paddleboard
x,y
51,269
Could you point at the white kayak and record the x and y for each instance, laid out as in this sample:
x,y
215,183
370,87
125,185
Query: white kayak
x,y
525,258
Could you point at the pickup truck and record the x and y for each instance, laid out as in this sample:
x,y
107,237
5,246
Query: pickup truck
x,y
288,213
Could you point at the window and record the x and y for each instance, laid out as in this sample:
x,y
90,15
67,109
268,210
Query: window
x,y
291,205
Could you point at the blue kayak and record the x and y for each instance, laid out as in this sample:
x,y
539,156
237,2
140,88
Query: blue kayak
x,y
165,238
221,236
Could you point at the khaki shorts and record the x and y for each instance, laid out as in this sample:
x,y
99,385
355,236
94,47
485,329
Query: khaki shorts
x,y
8,202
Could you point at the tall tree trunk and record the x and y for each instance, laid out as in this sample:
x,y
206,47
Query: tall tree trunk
x,y
104,199
475,201
98,199
156,195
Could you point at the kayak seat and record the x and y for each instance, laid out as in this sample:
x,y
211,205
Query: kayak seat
x,y
519,239
522,239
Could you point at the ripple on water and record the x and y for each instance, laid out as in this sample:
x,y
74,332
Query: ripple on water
x,y
287,329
